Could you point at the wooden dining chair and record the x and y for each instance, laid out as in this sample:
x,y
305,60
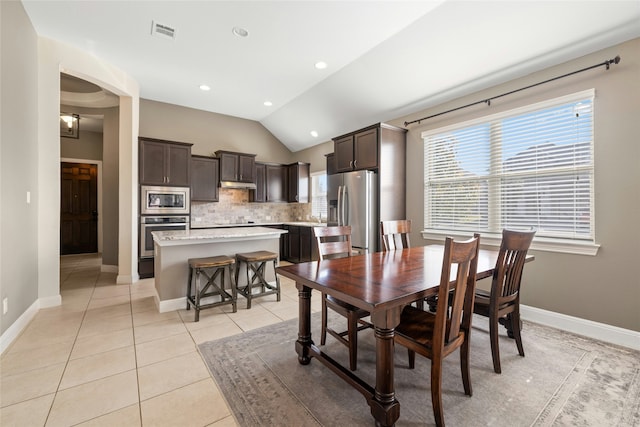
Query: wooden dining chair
x,y
502,303
336,241
395,234
436,336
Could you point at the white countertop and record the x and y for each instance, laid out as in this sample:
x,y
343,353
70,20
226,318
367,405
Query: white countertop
x,y
204,225
210,235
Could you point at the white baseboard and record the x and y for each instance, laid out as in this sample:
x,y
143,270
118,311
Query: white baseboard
x,y
53,301
124,280
18,326
171,304
588,328
109,268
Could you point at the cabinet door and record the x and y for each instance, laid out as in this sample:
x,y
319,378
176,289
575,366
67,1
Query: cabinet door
x,y
298,190
246,168
228,167
152,163
204,179
178,165
365,149
259,194
294,243
343,149
306,242
331,164
276,183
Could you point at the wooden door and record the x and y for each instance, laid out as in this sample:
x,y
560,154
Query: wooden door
x,y
78,208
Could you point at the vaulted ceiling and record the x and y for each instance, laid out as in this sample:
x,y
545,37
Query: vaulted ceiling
x,y
384,59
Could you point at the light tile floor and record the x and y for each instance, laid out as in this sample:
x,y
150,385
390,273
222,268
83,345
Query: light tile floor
x,y
107,357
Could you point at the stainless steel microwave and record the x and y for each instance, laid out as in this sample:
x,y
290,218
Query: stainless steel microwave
x,y
164,200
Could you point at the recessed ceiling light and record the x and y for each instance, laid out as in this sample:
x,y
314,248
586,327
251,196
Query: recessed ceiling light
x,y
204,87
314,134
268,103
240,32
321,65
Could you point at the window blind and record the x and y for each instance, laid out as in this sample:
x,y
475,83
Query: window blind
x,y
530,167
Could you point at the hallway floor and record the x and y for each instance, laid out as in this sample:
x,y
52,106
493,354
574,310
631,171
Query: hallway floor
x,y
107,357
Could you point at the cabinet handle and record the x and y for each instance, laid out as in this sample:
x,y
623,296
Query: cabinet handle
x,y
350,163
355,163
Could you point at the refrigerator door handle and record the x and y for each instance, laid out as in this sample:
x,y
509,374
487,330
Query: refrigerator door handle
x,y
345,206
339,205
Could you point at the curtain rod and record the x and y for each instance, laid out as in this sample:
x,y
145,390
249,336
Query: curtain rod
x,y
487,101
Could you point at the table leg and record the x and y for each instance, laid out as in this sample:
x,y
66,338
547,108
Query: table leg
x,y
304,341
385,408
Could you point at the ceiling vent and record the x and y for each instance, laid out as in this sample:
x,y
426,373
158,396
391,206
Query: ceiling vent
x,y
162,31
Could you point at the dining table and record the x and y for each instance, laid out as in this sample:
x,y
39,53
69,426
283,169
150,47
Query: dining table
x,y
382,283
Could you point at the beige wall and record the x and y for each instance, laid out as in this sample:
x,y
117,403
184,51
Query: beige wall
x,y
18,162
87,146
209,132
603,288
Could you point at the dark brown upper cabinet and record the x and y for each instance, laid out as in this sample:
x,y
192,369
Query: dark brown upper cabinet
x,y
237,167
205,178
164,162
298,187
331,164
357,151
271,183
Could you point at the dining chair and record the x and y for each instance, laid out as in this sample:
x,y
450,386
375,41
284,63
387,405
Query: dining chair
x,y
435,336
395,234
336,242
502,303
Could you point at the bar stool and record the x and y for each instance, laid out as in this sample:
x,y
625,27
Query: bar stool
x,y
218,266
256,262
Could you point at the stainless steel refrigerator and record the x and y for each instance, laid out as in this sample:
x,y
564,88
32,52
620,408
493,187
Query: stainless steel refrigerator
x,y
352,200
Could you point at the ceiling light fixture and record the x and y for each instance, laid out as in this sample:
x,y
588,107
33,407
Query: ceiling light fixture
x,y
240,32
268,103
321,65
314,134
205,87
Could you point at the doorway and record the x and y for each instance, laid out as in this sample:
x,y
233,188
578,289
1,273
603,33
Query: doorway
x,y
78,208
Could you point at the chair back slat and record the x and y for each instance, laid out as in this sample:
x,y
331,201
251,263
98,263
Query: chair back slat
x,y
333,241
507,275
464,255
395,234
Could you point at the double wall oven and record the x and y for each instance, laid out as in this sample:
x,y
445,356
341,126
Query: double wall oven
x,y
161,209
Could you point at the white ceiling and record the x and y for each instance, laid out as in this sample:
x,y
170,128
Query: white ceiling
x,y
385,59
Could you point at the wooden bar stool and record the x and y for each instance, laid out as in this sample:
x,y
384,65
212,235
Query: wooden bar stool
x,y
211,268
256,263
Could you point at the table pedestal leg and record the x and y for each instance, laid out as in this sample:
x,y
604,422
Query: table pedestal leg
x,y
304,341
385,408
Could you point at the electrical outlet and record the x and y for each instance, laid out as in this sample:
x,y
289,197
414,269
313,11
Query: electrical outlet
x,y
5,305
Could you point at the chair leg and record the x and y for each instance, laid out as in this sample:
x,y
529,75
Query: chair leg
x,y
436,391
412,358
189,287
197,307
464,365
515,321
352,331
493,337
323,333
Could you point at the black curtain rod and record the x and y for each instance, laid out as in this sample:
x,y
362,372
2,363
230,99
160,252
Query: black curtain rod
x,y
487,101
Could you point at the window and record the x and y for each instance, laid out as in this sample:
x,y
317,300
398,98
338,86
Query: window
x,y
530,167
319,194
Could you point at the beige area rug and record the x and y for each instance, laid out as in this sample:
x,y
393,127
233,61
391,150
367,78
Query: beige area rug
x,y
564,380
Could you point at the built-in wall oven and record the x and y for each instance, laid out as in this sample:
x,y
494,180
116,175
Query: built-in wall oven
x,y
148,224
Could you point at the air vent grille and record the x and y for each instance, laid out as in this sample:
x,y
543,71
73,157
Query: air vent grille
x,y
162,31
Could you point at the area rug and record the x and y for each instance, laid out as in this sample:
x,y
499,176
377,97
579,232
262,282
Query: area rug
x,y
564,380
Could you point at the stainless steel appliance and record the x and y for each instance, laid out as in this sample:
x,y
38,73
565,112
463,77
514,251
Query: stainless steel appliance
x,y
158,223
352,200
164,200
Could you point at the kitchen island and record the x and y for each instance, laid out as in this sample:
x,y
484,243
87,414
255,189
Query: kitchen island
x,y
172,250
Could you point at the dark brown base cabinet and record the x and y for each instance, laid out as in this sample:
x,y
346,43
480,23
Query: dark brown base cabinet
x,y
299,246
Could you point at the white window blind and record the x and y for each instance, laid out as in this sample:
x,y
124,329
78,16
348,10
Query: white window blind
x,y
530,167
319,195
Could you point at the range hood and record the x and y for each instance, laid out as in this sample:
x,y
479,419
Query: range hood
x,y
241,185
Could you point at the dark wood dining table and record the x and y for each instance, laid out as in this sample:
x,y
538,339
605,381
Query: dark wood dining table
x,y
382,283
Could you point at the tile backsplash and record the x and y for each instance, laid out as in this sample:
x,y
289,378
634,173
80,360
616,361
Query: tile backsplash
x,y
234,207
